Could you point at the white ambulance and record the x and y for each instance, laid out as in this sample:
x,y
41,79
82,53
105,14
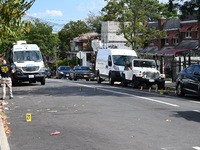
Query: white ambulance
x,y
27,61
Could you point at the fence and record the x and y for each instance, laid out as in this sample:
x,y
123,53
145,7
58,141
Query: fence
x,y
171,65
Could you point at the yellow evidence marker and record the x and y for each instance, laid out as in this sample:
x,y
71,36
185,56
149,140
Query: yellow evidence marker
x,y
28,117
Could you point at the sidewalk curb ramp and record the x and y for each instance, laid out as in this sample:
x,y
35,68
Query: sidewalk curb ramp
x,y
3,139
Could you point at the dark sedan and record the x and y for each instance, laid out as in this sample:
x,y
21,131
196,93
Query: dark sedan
x,y
188,81
63,72
47,73
81,72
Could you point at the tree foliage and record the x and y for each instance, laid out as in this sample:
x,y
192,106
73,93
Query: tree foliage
x,y
69,32
11,24
41,34
115,8
191,7
94,22
132,15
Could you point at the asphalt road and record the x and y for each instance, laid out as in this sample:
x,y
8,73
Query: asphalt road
x,y
91,116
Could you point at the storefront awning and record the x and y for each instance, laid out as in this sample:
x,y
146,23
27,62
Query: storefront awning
x,y
195,28
172,35
185,28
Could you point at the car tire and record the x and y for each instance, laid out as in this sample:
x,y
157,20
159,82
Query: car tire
x,y
123,82
179,90
99,80
43,81
15,82
134,82
161,85
87,79
111,80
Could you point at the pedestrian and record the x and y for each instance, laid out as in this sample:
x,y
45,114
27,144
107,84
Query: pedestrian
x,y
6,71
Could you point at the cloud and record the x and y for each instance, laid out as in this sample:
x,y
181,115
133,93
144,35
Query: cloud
x,y
91,6
54,13
49,13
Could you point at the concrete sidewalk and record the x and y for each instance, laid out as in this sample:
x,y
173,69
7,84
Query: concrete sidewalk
x,y
3,138
170,84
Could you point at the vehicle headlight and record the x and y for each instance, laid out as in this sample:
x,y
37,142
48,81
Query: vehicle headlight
x,y
116,68
42,69
139,74
61,72
18,69
162,75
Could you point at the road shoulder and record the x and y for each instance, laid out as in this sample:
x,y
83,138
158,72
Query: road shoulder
x,y
3,138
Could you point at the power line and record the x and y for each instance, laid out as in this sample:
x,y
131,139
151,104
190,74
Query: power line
x,y
56,26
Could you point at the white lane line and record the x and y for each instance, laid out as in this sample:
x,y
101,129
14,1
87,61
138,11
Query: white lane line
x,y
197,148
141,97
197,111
195,102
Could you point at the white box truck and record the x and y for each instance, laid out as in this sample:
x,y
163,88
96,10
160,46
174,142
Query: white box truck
x,y
110,63
27,61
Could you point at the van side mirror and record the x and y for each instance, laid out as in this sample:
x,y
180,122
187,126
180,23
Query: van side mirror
x,y
128,65
109,63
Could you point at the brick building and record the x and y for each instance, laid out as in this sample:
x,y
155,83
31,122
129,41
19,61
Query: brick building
x,y
181,35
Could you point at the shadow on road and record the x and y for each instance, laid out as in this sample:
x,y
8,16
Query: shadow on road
x,y
188,115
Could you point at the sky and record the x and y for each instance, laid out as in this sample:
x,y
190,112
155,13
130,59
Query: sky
x,y
60,12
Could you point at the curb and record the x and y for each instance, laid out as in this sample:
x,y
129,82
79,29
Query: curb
x,y
3,139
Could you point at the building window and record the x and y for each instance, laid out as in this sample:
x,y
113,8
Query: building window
x,y
166,42
175,41
151,42
188,34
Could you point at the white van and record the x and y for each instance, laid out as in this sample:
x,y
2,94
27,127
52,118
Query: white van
x,y
110,63
27,62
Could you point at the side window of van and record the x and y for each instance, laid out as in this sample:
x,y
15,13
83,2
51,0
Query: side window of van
x,y
109,61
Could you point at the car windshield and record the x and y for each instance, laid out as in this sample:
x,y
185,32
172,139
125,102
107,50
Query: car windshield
x,y
64,68
121,60
81,68
21,56
142,63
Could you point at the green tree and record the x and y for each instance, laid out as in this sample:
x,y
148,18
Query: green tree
x,y
11,24
69,32
132,15
94,22
41,34
191,7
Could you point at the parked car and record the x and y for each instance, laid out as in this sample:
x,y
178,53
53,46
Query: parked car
x,y
188,81
47,73
142,72
63,72
81,72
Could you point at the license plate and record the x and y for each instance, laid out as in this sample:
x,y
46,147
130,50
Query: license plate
x,y
30,76
85,75
67,75
151,80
